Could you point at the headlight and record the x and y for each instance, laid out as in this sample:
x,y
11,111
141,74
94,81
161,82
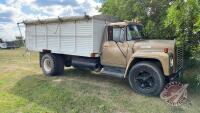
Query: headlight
x,y
171,62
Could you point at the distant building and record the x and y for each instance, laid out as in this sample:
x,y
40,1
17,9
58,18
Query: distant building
x,y
8,45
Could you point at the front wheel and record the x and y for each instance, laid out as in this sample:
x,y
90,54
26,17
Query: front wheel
x,y
52,64
146,78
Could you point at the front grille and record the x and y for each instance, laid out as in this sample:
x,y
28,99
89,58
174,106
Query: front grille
x,y
179,58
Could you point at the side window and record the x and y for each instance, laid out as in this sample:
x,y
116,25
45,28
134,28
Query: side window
x,y
118,34
132,32
122,34
129,36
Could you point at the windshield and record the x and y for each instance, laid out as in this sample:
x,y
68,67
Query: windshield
x,y
133,32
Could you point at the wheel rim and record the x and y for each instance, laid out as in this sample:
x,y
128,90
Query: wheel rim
x,y
47,65
145,80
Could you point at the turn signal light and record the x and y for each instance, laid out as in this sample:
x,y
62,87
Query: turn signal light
x,y
166,50
93,55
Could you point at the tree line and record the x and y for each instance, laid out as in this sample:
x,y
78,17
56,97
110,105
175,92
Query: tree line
x,y
18,42
162,19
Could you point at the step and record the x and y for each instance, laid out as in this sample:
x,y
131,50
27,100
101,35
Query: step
x,y
113,71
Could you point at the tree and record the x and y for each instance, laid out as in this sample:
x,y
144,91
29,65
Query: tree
x,y
19,41
184,16
163,19
150,12
19,37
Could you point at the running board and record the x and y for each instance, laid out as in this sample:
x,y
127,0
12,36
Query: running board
x,y
113,71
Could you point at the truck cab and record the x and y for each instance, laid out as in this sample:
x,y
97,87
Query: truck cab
x,y
147,64
123,43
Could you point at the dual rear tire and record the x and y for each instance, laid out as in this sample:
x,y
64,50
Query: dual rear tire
x,y
52,64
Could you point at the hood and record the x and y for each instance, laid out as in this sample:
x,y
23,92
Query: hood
x,y
154,45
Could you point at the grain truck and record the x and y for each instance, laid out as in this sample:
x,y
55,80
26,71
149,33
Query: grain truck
x,y
107,46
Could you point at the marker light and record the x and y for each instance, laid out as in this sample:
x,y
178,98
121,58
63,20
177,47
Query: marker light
x,y
166,50
93,55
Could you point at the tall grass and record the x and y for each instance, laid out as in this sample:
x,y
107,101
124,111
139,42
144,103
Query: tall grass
x,y
192,74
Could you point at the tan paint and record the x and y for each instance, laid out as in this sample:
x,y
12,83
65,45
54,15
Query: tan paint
x,y
160,56
121,54
150,49
111,54
125,23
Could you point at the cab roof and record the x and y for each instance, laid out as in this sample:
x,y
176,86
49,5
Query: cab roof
x,y
124,23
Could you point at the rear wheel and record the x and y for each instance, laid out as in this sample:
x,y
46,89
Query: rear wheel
x,y
146,78
52,64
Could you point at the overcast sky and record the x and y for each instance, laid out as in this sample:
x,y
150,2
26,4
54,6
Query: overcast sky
x,y
13,11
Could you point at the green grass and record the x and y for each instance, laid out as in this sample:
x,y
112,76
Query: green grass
x,y
23,88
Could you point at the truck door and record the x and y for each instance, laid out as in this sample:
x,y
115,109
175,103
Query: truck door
x,y
114,49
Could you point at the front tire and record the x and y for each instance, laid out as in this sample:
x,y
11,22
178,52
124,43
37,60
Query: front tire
x,y
52,64
146,78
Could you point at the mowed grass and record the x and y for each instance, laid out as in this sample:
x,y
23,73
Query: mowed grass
x,y
24,89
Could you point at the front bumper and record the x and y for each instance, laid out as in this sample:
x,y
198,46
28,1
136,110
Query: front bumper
x,y
177,74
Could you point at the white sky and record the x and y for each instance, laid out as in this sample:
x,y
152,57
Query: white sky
x,y
14,11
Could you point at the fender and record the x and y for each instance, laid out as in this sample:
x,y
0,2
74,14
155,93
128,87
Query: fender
x,y
160,56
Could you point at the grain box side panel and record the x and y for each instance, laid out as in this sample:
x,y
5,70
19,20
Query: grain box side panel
x,y
67,37
84,38
40,36
30,37
98,27
53,42
27,36
73,38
